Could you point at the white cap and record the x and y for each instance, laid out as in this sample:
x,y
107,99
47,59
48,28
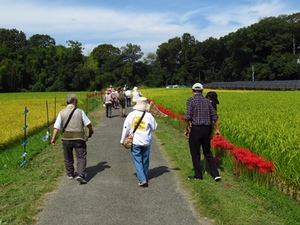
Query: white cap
x,y
197,87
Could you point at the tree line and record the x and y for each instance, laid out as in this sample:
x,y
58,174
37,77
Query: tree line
x,y
269,48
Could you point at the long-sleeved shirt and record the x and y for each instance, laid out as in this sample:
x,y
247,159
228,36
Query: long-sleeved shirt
x,y
200,111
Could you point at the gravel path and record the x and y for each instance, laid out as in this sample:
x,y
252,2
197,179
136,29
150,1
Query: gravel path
x,y
112,195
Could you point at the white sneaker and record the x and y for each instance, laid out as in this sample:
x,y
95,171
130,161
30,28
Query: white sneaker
x,y
217,179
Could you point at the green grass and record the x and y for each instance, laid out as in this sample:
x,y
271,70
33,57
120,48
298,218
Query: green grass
x,y
230,201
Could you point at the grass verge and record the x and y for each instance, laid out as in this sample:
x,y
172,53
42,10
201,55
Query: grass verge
x,y
23,188
230,201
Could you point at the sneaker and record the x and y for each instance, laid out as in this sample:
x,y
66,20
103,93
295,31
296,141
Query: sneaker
x,y
81,179
217,179
194,178
72,175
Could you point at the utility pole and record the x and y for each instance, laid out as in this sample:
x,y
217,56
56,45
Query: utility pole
x,y
298,60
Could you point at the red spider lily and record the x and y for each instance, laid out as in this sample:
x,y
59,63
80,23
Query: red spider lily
x,y
220,142
181,117
251,160
167,112
266,167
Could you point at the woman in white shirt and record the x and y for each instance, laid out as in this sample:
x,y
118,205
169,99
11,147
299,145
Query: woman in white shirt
x,y
142,139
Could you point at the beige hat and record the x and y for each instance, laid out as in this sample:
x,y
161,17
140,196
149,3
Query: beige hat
x,y
141,104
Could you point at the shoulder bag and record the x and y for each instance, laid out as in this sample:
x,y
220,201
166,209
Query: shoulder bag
x,y
71,114
128,140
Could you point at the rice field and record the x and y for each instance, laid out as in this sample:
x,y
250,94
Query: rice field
x,y
265,122
42,109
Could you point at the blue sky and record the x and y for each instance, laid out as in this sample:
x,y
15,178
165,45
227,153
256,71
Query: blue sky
x,y
147,23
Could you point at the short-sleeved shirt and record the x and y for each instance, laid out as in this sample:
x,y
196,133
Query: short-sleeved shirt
x,y
200,111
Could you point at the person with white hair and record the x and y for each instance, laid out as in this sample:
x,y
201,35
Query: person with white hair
x,y
71,120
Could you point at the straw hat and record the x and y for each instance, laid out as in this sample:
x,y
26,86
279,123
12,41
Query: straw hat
x,y
141,104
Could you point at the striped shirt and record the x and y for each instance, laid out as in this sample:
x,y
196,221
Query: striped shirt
x,y
200,111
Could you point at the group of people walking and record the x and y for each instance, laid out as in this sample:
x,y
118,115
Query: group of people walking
x,y
201,120
119,99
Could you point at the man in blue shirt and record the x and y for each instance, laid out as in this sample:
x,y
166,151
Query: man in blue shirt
x,y
199,118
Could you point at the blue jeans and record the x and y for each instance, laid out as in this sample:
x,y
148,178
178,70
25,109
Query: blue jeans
x,y
140,157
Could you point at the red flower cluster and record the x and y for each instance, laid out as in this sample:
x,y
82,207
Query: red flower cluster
x,y
167,112
220,142
249,159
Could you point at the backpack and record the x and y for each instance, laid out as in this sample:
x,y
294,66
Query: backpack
x,y
121,97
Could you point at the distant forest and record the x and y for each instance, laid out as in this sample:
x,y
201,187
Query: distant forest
x,y
270,49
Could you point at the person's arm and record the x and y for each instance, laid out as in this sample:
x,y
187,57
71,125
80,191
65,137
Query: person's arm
x,y
57,127
187,128
91,131
217,130
53,140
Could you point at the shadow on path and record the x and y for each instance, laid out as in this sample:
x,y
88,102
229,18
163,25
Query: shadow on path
x,y
92,171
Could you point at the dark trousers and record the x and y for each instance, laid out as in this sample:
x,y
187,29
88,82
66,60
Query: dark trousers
x,y
128,102
108,109
200,136
81,153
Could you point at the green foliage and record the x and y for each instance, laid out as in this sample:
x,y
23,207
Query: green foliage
x,y
37,64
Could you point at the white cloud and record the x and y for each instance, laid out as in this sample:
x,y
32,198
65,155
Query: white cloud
x,y
94,25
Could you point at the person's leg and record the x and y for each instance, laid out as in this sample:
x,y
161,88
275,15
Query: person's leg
x,y
194,144
129,101
145,159
81,155
122,109
137,161
106,109
109,109
68,156
208,154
